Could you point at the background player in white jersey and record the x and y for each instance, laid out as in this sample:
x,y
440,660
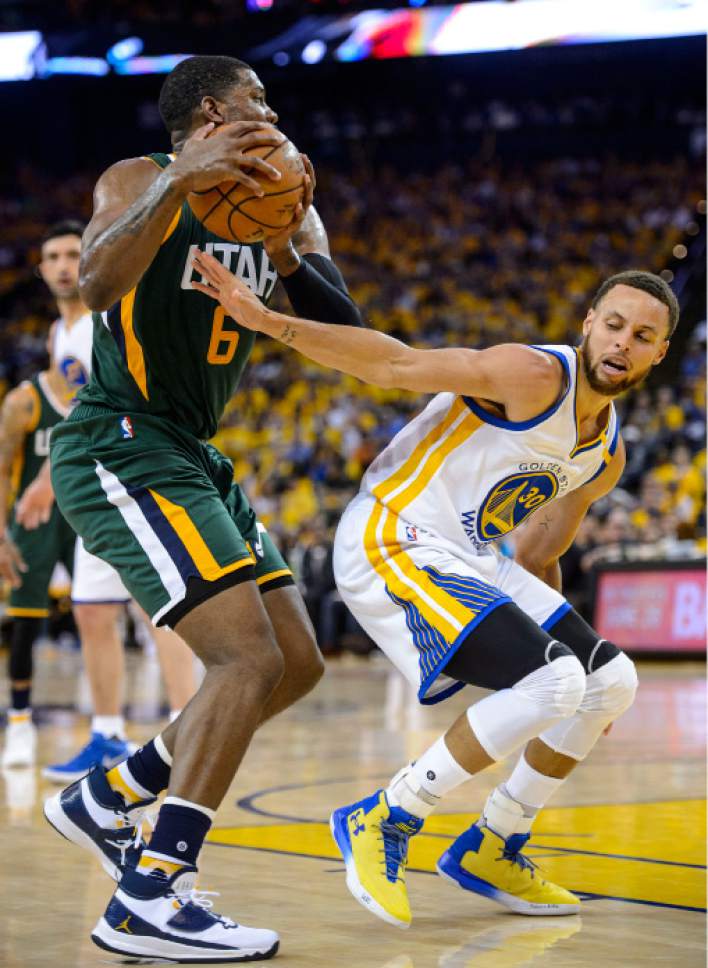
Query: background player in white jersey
x,y
514,431
98,594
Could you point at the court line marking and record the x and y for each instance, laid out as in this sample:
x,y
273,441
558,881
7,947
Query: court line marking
x,y
246,803
584,895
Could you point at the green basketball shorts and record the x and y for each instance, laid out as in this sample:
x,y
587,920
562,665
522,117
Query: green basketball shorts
x,y
161,507
48,545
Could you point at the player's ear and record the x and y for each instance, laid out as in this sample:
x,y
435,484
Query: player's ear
x,y
587,322
212,110
661,353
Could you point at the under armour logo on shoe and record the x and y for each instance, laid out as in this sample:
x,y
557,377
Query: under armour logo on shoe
x,y
355,822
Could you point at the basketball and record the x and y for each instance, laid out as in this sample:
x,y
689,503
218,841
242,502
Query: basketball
x,y
231,210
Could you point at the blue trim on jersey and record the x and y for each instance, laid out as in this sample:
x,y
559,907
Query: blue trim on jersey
x,y
535,421
434,649
452,649
556,616
615,437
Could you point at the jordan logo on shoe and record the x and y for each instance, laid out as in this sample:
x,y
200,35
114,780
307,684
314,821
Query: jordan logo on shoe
x,y
123,926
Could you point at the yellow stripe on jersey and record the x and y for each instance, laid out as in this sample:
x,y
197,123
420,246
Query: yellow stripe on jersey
x,y
36,409
402,589
434,462
133,349
273,575
384,488
172,226
18,612
439,608
207,565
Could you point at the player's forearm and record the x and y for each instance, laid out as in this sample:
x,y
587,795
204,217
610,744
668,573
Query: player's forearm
x,y
5,495
549,571
113,262
363,353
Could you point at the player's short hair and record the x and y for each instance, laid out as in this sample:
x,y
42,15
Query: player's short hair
x,y
193,79
647,282
68,226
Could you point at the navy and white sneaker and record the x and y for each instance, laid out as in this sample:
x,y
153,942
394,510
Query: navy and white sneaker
x,y
92,815
151,916
105,751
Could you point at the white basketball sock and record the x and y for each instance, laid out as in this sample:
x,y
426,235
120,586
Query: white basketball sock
x,y
108,726
530,788
418,788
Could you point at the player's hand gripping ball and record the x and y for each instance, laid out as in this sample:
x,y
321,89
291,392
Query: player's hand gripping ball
x,y
234,212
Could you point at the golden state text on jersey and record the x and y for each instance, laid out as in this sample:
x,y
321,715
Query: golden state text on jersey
x,y
469,477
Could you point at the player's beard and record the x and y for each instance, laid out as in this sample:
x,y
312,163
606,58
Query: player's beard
x,y
605,387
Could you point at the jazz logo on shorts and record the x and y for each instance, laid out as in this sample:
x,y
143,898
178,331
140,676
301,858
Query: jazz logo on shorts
x,y
126,428
512,500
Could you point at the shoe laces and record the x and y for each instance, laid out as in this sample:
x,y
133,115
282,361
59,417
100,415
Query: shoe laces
x,y
514,855
132,839
203,900
395,850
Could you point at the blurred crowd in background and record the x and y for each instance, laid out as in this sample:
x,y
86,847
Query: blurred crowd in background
x,y
462,255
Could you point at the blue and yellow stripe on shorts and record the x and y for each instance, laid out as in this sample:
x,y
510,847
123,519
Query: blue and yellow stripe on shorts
x,y
181,539
440,609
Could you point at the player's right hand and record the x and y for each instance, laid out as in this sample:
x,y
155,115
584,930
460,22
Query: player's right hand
x,y
12,564
35,505
205,162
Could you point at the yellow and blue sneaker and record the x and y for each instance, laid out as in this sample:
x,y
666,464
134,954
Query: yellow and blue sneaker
x,y
373,839
485,863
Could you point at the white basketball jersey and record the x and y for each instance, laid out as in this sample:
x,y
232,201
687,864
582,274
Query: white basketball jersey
x,y
72,351
468,477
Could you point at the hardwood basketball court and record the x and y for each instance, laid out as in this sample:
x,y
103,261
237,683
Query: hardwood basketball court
x,y
627,831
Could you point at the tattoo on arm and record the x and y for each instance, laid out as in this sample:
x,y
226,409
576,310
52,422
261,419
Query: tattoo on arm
x,y
288,334
135,218
546,521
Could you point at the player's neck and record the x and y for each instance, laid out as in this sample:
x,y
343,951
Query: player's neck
x,y
71,310
590,406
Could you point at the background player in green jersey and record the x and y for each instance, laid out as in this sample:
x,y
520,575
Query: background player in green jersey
x,y
27,558
133,475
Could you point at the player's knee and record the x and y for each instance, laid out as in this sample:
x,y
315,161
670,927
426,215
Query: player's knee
x,y
558,686
96,620
611,688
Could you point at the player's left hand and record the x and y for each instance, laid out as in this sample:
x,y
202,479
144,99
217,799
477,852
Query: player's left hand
x,y
233,294
280,241
35,505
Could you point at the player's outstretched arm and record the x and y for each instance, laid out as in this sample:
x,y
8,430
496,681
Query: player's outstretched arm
x,y
15,419
135,201
548,533
508,373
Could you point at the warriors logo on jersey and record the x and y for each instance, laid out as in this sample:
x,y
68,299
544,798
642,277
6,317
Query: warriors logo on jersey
x,y
74,373
511,500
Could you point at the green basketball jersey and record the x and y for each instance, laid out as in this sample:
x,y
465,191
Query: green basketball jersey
x,y
48,412
168,350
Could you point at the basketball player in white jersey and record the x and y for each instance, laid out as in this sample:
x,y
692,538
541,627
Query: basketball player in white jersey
x,y
514,434
98,594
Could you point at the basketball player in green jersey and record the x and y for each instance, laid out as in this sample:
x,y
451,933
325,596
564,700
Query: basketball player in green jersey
x,y
134,476
27,558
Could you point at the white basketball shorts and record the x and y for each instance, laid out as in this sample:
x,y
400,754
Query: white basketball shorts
x,y
419,596
95,582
